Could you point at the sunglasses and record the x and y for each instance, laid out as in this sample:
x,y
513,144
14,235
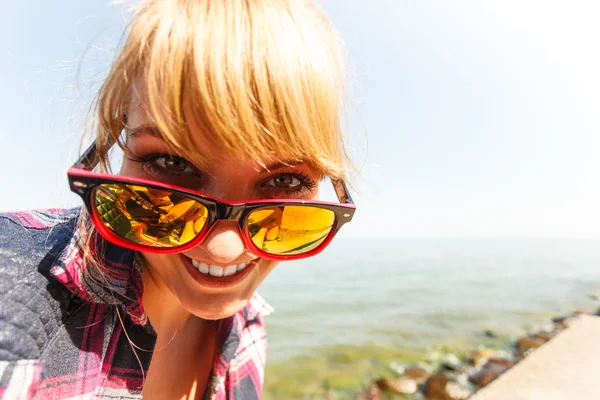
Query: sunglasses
x,y
151,216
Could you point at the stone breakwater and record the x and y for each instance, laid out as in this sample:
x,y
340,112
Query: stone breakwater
x,y
457,377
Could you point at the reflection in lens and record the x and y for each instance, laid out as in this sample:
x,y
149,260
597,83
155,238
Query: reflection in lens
x,y
288,230
148,216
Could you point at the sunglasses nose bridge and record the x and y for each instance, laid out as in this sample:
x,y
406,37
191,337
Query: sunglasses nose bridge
x,y
229,212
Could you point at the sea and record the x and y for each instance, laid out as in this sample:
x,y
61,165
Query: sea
x,y
366,305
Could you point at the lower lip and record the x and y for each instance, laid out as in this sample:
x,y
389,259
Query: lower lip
x,y
217,282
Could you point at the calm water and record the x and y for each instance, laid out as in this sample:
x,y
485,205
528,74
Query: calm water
x,y
415,293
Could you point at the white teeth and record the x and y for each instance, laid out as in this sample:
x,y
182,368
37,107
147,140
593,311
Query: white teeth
x,y
204,268
217,271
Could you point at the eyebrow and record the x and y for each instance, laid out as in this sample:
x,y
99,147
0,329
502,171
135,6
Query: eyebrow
x,y
152,130
282,164
144,129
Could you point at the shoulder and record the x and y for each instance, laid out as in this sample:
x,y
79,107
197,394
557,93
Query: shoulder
x,y
27,235
30,242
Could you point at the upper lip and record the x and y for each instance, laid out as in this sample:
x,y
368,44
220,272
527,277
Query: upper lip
x,y
219,264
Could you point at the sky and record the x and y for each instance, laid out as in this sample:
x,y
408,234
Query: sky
x,y
470,118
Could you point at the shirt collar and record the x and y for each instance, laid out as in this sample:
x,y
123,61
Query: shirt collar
x,y
257,306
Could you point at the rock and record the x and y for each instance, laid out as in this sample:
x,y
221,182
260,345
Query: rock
x,y
488,333
528,342
502,363
457,392
544,336
398,385
561,323
455,368
451,359
483,377
397,368
480,356
441,387
579,313
417,373
451,363
372,393
490,371
593,296
559,320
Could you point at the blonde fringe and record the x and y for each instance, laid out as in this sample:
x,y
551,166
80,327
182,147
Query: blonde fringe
x,y
261,78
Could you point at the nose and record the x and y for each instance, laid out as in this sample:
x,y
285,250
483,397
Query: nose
x,y
224,245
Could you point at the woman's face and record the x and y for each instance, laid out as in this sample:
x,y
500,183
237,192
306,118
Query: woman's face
x,y
183,276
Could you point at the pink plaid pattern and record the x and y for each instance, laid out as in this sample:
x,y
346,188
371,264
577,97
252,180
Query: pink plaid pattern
x,y
89,356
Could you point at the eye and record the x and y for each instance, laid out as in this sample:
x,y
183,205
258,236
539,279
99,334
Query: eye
x,y
162,166
172,163
283,181
288,184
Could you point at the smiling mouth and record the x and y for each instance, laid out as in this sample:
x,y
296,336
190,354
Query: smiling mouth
x,y
219,271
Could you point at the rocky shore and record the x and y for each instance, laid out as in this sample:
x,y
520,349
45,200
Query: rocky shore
x,y
458,376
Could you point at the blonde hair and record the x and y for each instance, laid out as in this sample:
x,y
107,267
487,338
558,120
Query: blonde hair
x,y
264,79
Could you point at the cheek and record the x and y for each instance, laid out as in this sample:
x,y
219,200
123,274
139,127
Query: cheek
x,y
159,266
126,167
265,269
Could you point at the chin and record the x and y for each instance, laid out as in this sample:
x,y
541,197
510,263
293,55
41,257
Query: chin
x,y
215,311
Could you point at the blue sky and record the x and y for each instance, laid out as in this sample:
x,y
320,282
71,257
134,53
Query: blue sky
x,y
482,117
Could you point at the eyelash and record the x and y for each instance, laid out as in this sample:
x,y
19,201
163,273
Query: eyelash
x,y
305,182
149,162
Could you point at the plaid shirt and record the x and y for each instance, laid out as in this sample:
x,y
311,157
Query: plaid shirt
x,y
65,335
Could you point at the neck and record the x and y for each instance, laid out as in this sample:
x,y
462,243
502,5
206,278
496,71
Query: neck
x,y
186,345
165,312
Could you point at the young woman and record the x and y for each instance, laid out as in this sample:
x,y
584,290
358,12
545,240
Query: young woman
x,y
228,115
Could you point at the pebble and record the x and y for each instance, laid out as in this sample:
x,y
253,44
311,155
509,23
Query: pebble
x,y
372,393
544,336
490,371
528,342
490,334
480,356
398,385
451,367
417,373
561,323
457,392
441,387
451,359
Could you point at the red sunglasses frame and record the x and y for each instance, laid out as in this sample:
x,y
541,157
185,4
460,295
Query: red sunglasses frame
x,y
82,181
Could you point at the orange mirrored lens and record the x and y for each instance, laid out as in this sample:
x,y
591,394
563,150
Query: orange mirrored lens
x,y
287,230
148,216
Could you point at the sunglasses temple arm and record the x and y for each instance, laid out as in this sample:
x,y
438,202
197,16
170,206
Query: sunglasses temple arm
x,y
342,192
89,159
